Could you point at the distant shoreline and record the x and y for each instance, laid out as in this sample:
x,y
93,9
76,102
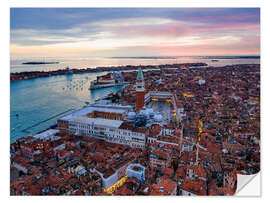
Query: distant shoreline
x,y
38,74
176,57
38,63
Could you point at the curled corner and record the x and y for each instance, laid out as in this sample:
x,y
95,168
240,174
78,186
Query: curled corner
x,y
248,185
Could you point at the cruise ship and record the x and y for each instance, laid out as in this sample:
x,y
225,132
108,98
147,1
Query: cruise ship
x,y
108,80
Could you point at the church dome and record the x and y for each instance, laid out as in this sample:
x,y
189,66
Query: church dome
x,y
131,115
158,117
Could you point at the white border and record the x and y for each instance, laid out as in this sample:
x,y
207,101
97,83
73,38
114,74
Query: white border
x,y
251,187
265,74
136,3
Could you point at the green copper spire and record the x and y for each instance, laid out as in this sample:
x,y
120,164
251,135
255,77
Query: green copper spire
x,y
140,74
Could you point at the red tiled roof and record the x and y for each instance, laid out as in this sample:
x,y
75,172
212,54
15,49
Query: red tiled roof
x,y
131,127
168,186
196,187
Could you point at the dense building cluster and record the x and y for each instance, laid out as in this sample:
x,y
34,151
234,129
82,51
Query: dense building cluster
x,y
182,131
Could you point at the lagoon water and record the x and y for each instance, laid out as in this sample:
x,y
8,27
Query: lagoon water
x,y
39,102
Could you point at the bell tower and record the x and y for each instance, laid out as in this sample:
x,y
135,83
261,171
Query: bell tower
x,y
140,91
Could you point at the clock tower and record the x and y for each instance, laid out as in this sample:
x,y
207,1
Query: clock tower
x,y
140,91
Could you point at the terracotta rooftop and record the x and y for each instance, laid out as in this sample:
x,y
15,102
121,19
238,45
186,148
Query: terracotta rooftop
x,y
129,126
197,187
166,187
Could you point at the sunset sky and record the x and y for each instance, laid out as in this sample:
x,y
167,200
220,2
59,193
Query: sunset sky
x,y
107,32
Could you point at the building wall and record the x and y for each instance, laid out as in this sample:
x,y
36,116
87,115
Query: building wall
x,y
157,163
229,180
233,147
151,139
138,140
114,135
108,182
105,115
139,100
174,192
140,175
187,193
27,151
122,171
20,167
191,174
63,126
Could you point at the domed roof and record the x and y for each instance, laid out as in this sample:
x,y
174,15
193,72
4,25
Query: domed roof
x,y
150,111
131,115
144,112
158,117
147,112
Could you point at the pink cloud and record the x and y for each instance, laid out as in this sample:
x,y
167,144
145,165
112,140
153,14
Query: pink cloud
x,y
249,45
171,30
